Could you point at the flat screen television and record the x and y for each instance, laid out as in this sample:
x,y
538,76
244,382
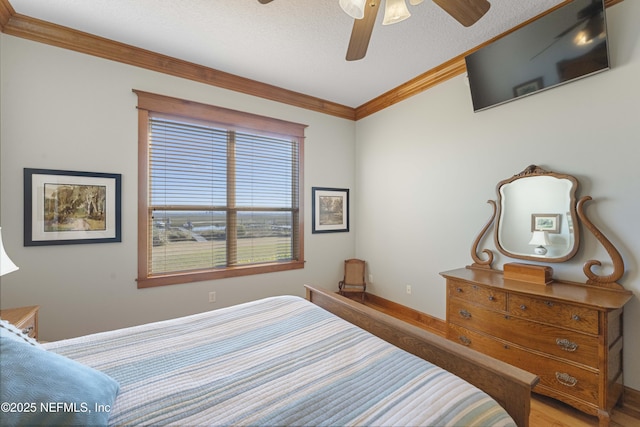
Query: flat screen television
x,y
564,45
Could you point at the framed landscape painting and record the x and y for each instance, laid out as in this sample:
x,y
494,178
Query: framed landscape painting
x,y
330,210
546,222
67,207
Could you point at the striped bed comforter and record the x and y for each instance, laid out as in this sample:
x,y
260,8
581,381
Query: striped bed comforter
x,y
277,361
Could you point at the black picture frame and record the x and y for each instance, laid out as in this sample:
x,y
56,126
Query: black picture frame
x,y
330,210
69,207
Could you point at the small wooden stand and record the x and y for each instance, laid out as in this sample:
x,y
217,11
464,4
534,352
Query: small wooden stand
x,y
539,274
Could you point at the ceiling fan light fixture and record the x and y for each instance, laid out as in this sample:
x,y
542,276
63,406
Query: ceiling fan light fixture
x,y
395,11
594,30
353,8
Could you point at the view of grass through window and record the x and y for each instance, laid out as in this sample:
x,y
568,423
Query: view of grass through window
x,y
198,240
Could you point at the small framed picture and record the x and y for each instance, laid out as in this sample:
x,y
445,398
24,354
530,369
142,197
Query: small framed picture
x,y
67,207
545,222
330,210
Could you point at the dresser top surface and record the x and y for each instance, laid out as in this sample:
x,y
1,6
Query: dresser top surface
x,y
15,315
601,298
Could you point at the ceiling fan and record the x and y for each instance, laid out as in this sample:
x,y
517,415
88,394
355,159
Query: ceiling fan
x,y
466,12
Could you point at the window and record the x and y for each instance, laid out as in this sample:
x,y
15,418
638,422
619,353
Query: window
x,y
219,192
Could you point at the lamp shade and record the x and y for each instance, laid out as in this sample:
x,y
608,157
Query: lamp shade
x,y
540,238
395,11
353,8
6,265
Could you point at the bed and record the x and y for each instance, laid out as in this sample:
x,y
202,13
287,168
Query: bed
x,y
324,360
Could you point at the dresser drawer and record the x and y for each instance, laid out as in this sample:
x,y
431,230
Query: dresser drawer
x,y
563,343
556,313
569,379
562,377
487,297
472,316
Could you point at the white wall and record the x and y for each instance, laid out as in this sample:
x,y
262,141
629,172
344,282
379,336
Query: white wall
x,y
426,168
64,110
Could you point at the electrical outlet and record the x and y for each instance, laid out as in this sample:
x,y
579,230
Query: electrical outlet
x,y
370,278
212,297
408,289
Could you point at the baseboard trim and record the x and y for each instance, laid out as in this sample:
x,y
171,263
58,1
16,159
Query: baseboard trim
x,y
631,402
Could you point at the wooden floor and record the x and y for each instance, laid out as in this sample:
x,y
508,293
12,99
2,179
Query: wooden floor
x,y
545,412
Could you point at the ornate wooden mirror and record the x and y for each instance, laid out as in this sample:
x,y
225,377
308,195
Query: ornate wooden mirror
x,y
537,218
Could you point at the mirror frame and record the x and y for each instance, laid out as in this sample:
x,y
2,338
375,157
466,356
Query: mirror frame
x,y
531,172
576,208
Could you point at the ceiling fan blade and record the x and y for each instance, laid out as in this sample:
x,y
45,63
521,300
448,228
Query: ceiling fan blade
x,y
466,12
361,32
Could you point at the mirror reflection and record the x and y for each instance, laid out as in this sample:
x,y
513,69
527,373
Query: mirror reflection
x,y
537,216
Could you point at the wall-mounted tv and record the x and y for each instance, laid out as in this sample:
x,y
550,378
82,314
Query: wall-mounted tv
x,y
564,45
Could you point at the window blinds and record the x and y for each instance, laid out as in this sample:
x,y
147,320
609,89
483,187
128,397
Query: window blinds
x,y
219,197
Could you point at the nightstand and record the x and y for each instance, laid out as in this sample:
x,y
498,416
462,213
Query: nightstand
x,y
24,318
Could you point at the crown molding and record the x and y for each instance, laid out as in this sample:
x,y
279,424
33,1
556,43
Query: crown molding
x,y
6,11
18,25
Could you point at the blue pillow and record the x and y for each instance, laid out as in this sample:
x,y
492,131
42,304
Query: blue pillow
x,y
10,331
39,387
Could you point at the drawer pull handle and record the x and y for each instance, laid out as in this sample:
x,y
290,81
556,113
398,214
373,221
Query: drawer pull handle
x,y
523,307
492,298
566,345
549,303
566,379
576,317
464,340
465,314
459,290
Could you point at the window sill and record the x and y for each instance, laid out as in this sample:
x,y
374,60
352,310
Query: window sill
x,y
198,276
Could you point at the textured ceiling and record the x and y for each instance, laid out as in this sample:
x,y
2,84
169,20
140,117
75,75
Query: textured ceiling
x,y
298,45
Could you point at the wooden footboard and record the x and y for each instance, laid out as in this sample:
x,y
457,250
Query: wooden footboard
x,y
508,385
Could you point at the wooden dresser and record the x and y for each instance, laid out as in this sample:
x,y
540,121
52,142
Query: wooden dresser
x,y
569,334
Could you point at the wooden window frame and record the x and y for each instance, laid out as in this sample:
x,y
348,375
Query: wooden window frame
x,y
149,103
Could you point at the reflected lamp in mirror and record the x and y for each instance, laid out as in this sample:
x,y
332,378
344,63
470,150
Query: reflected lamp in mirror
x,y
6,265
540,239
